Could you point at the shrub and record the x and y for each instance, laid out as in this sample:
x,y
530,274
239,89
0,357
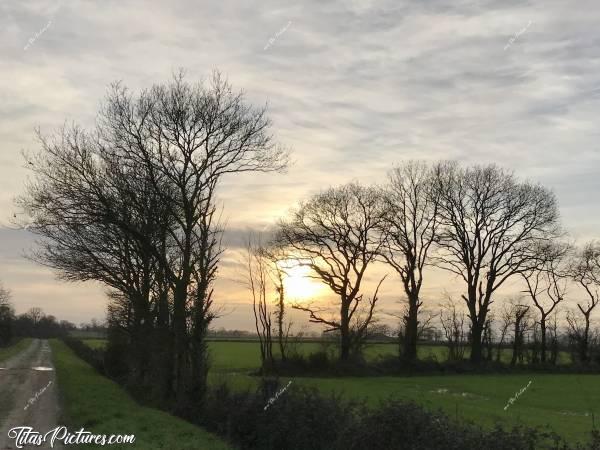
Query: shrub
x,y
303,419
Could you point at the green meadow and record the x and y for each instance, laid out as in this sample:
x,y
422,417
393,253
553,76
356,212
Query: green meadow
x,y
566,403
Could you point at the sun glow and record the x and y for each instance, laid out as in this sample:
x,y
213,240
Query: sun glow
x,y
297,282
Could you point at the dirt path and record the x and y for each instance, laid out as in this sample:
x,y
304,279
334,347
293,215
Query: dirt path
x,y
28,395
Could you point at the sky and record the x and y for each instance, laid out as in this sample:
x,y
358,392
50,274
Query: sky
x,y
352,87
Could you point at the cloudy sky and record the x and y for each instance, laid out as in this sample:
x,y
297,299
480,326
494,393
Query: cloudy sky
x,y
352,87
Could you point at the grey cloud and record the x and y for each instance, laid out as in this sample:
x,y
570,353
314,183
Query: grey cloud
x,y
352,86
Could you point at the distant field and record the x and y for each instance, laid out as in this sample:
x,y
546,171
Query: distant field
x,y
241,355
17,347
100,405
566,403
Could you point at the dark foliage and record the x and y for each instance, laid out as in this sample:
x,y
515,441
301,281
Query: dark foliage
x,y
303,419
42,327
323,364
299,419
94,357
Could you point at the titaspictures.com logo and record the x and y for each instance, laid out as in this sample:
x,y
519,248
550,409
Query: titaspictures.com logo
x,y
61,435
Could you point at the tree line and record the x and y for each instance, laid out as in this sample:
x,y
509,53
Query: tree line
x,y
481,224
33,323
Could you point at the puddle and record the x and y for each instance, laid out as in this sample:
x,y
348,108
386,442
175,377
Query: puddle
x,y
440,391
43,369
458,394
573,413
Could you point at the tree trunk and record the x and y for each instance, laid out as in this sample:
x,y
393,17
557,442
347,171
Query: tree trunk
x,y
476,346
586,338
411,329
543,339
181,344
345,332
280,316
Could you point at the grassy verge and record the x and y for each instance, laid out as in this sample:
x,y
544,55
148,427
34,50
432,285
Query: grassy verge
x,y
99,405
12,350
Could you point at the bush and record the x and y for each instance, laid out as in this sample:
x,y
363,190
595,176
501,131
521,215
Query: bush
x,y
299,419
303,419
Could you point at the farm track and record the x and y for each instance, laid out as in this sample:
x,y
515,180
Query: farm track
x,y
28,395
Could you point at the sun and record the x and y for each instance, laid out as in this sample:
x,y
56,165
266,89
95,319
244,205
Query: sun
x,y
297,282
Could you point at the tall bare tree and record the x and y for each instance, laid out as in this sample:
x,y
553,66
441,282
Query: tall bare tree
x,y
585,271
490,224
337,234
520,322
174,141
547,285
278,273
257,280
452,320
410,225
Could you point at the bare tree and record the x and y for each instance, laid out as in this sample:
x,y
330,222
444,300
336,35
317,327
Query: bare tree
x,y
278,273
410,227
100,220
453,324
489,225
35,314
547,285
7,315
520,314
488,338
585,271
336,234
169,147
506,320
258,281
553,335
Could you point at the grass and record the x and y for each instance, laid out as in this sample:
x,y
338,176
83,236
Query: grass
x,y
15,348
99,405
244,356
567,403
95,343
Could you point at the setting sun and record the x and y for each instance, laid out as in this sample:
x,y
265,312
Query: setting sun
x,y
298,284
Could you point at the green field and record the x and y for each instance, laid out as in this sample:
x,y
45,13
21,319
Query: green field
x,y
17,347
99,405
227,355
566,403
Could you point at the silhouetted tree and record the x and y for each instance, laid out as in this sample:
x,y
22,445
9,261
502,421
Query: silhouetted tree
x,y
452,321
585,271
547,285
132,204
257,279
337,234
490,225
520,322
410,225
